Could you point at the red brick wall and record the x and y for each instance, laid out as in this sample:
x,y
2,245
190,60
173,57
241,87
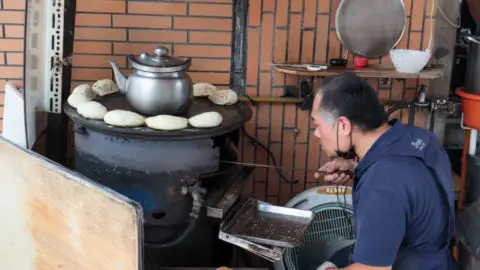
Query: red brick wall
x,y
279,30
108,30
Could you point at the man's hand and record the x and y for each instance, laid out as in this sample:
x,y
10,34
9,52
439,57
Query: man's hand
x,y
331,168
327,266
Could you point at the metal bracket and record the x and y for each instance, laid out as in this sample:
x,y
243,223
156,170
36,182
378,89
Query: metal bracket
x,y
44,37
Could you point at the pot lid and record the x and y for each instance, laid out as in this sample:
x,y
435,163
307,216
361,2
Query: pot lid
x,y
159,61
370,28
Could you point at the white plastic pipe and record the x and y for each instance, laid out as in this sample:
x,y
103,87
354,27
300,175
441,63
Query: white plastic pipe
x,y
473,142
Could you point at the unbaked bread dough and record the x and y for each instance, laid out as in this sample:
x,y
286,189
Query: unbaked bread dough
x,y
85,90
206,120
224,97
122,118
92,110
76,99
166,122
203,89
104,87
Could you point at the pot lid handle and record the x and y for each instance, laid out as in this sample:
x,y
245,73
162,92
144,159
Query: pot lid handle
x,y
161,51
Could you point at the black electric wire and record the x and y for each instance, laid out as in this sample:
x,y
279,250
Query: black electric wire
x,y
274,161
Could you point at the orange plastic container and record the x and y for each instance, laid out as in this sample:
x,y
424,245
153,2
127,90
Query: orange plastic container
x,y
470,108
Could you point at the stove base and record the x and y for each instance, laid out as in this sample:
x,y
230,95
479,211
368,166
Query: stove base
x,y
201,249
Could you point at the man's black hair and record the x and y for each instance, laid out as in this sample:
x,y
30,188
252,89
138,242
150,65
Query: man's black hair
x,y
352,97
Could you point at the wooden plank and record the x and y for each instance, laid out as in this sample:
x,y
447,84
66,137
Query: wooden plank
x,y
372,71
53,218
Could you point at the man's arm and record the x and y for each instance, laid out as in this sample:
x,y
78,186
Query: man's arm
x,y
381,217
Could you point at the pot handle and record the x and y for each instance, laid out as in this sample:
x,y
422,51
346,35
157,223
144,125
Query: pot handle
x,y
472,38
79,129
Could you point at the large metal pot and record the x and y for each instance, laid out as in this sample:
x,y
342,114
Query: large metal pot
x,y
472,80
159,83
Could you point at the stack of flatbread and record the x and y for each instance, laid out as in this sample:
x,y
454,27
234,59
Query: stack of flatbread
x,y
218,97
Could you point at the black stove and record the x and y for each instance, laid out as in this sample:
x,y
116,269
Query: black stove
x,y
176,176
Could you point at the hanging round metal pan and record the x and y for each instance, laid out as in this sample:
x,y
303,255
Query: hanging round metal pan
x,y
370,28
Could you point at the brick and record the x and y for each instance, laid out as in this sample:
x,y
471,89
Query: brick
x,y
139,21
15,59
282,13
211,1
214,10
11,45
102,34
2,58
202,51
17,83
210,38
90,74
334,46
408,6
254,13
14,4
158,35
334,7
12,17
307,47
321,42
93,20
415,39
11,72
310,13
197,23
296,6
95,61
268,5
253,53
14,31
210,77
265,83
323,6
199,64
101,6
135,48
417,15
280,46
267,42
2,98
294,35
157,8
92,47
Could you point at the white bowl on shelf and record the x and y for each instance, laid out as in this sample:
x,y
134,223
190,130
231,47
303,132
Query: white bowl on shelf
x,y
409,61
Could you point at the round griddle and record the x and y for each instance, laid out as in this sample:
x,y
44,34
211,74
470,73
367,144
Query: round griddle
x,y
234,116
370,28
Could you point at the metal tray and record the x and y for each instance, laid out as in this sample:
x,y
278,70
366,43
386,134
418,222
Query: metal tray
x,y
267,224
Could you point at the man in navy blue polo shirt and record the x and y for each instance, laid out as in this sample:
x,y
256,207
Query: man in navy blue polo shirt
x,y
403,191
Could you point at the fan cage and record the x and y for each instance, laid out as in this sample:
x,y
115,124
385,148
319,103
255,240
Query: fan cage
x,y
331,221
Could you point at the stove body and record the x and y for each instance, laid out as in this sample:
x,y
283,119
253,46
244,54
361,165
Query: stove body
x,y
177,177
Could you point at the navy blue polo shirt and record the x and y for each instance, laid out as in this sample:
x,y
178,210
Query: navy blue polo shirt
x,y
401,213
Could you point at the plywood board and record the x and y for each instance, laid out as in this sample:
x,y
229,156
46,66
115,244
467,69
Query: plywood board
x,y
52,218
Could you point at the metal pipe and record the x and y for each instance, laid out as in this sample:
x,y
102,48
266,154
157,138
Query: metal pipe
x,y
473,142
293,100
463,171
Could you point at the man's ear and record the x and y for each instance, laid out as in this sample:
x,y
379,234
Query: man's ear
x,y
345,126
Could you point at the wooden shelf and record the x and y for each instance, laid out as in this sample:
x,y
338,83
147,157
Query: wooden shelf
x,y
372,71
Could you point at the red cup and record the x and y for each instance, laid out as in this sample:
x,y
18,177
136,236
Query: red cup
x,y
360,62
